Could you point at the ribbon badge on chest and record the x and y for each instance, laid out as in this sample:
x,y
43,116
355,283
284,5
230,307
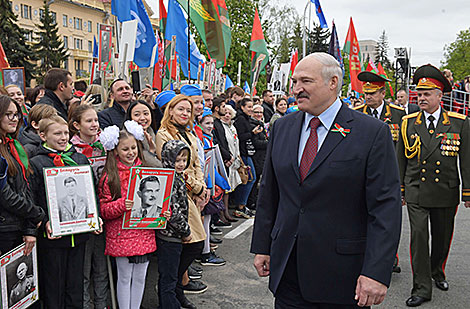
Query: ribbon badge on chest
x,y
339,129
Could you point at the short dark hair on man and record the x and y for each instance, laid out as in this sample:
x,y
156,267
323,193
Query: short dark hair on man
x,y
147,179
80,85
244,101
112,84
69,180
54,77
265,92
217,102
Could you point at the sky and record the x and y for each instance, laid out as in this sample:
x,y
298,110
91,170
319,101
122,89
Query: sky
x,y
425,26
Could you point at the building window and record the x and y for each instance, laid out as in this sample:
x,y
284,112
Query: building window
x,y
78,44
66,64
41,14
29,36
78,23
26,11
66,42
90,46
90,26
65,20
54,17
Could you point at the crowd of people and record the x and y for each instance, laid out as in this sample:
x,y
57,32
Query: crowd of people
x,y
65,123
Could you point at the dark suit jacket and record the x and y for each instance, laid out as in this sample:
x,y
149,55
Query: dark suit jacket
x,y
345,216
412,108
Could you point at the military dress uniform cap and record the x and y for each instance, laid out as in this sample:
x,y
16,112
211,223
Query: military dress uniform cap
x,y
429,77
371,82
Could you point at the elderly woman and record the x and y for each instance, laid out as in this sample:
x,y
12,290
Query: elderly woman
x,y
176,123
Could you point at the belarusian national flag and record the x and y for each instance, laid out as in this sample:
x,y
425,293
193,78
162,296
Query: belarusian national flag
x,y
159,66
258,47
381,71
211,19
351,47
163,15
3,61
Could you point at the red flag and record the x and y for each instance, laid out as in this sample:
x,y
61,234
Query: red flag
x,y
3,58
293,61
158,69
372,68
351,46
382,72
163,16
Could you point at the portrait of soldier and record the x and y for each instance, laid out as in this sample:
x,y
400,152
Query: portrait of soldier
x,y
148,193
23,286
72,206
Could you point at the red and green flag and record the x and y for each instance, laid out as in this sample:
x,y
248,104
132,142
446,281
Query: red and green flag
x,y
383,74
351,47
163,16
259,49
3,61
212,22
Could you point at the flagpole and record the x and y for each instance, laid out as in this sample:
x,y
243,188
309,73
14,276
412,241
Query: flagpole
x,y
189,45
304,36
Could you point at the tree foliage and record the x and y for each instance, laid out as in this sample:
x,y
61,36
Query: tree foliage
x,y
13,38
382,51
48,45
457,55
317,39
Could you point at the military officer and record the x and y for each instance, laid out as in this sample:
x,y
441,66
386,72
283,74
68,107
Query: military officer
x,y
430,143
373,86
23,286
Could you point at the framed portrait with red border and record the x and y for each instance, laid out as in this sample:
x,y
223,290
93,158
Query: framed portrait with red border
x,y
150,189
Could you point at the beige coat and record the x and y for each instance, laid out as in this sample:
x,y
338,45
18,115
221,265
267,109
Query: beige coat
x,y
194,180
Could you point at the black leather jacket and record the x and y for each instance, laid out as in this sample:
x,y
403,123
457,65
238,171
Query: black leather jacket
x,y
17,209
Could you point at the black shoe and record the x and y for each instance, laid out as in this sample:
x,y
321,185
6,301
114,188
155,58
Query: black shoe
x,y
396,269
223,225
185,303
196,268
192,274
415,301
194,287
442,285
214,240
215,231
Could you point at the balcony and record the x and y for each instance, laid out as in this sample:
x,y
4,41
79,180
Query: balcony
x,y
80,54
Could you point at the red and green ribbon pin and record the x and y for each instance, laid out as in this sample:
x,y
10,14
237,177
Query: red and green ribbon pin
x,y
340,129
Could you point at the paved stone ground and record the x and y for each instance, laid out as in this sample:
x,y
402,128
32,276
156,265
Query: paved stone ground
x,y
236,285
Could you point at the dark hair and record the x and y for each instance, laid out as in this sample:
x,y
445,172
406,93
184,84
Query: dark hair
x,y
147,179
279,100
236,90
80,85
153,123
5,102
110,170
75,115
69,180
112,84
243,102
32,96
54,77
217,102
265,92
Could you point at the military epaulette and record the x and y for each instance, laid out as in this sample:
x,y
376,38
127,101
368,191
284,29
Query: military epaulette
x,y
396,107
411,115
358,107
456,115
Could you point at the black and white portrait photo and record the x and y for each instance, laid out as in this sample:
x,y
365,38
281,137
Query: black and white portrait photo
x,y
150,198
14,76
72,205
20,279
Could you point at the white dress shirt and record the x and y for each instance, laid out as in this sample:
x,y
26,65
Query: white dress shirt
x,y
436,116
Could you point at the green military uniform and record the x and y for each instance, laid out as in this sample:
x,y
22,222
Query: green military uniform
x,y
430,176
391,114
21,289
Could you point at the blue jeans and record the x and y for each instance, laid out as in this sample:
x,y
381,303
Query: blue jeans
x,y
242,192
168,259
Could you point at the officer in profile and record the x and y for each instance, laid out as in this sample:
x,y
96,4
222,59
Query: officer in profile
x,y
23,286
432,142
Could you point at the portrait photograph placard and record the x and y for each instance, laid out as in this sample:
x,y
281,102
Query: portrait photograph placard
x,y
14,76
71,200
18,278
97,165
150,189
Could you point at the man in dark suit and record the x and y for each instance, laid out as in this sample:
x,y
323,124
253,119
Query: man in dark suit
x,y
328,220
431,144
402,100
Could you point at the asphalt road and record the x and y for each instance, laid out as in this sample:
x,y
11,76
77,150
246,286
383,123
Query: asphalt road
x,y
236,284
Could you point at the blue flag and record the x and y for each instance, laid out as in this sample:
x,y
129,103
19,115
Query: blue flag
x,y
95,48
320,15
228,83
334,48
145,40
246,88
176,25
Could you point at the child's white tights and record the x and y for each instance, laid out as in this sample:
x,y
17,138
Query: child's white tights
x,y
130,283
